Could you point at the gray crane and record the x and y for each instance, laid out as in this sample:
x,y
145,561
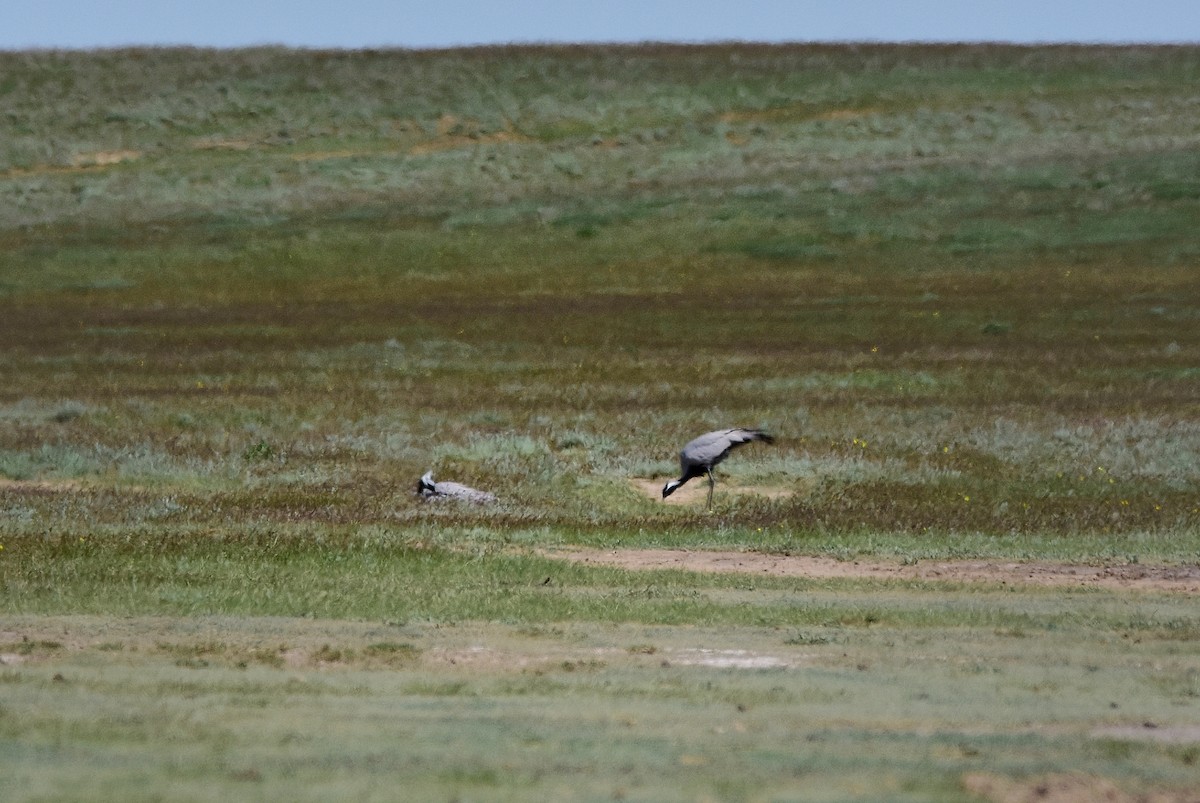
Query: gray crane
x,y
699,456
429,489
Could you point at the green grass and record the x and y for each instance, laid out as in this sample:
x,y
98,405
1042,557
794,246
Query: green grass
x,y
286,708
248,297
442,574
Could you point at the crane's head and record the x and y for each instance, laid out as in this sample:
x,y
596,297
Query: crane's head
x,y
670,487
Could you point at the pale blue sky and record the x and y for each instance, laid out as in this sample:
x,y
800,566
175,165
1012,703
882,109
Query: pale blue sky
x,y
378,23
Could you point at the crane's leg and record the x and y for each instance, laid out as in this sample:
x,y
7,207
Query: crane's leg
x,y
711,483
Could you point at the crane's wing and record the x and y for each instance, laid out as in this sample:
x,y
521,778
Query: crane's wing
x,y
711,447
740,436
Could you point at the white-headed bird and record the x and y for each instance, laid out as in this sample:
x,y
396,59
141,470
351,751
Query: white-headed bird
x,y
429,489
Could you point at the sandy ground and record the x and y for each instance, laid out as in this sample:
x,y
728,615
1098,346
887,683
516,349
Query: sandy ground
x,y
1130,576
1182,579
1064,788
696,492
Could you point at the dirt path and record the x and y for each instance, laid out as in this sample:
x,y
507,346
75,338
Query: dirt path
x,y
1180,579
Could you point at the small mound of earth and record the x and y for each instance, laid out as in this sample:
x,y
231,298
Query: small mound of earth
x,y
1181,579
696,491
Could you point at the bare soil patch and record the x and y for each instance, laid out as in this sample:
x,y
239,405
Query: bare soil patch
x,y
696,491
465,649
1133,576
34,486
1064,788
80,163
104,158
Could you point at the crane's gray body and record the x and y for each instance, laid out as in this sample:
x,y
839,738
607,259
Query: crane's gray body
x,y
698,457
429,489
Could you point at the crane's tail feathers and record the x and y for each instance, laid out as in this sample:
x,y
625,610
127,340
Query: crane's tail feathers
x,y
756,435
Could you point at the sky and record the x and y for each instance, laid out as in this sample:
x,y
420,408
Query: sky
x,y
353,24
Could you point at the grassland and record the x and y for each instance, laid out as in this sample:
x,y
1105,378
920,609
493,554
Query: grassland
x,y
248,297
